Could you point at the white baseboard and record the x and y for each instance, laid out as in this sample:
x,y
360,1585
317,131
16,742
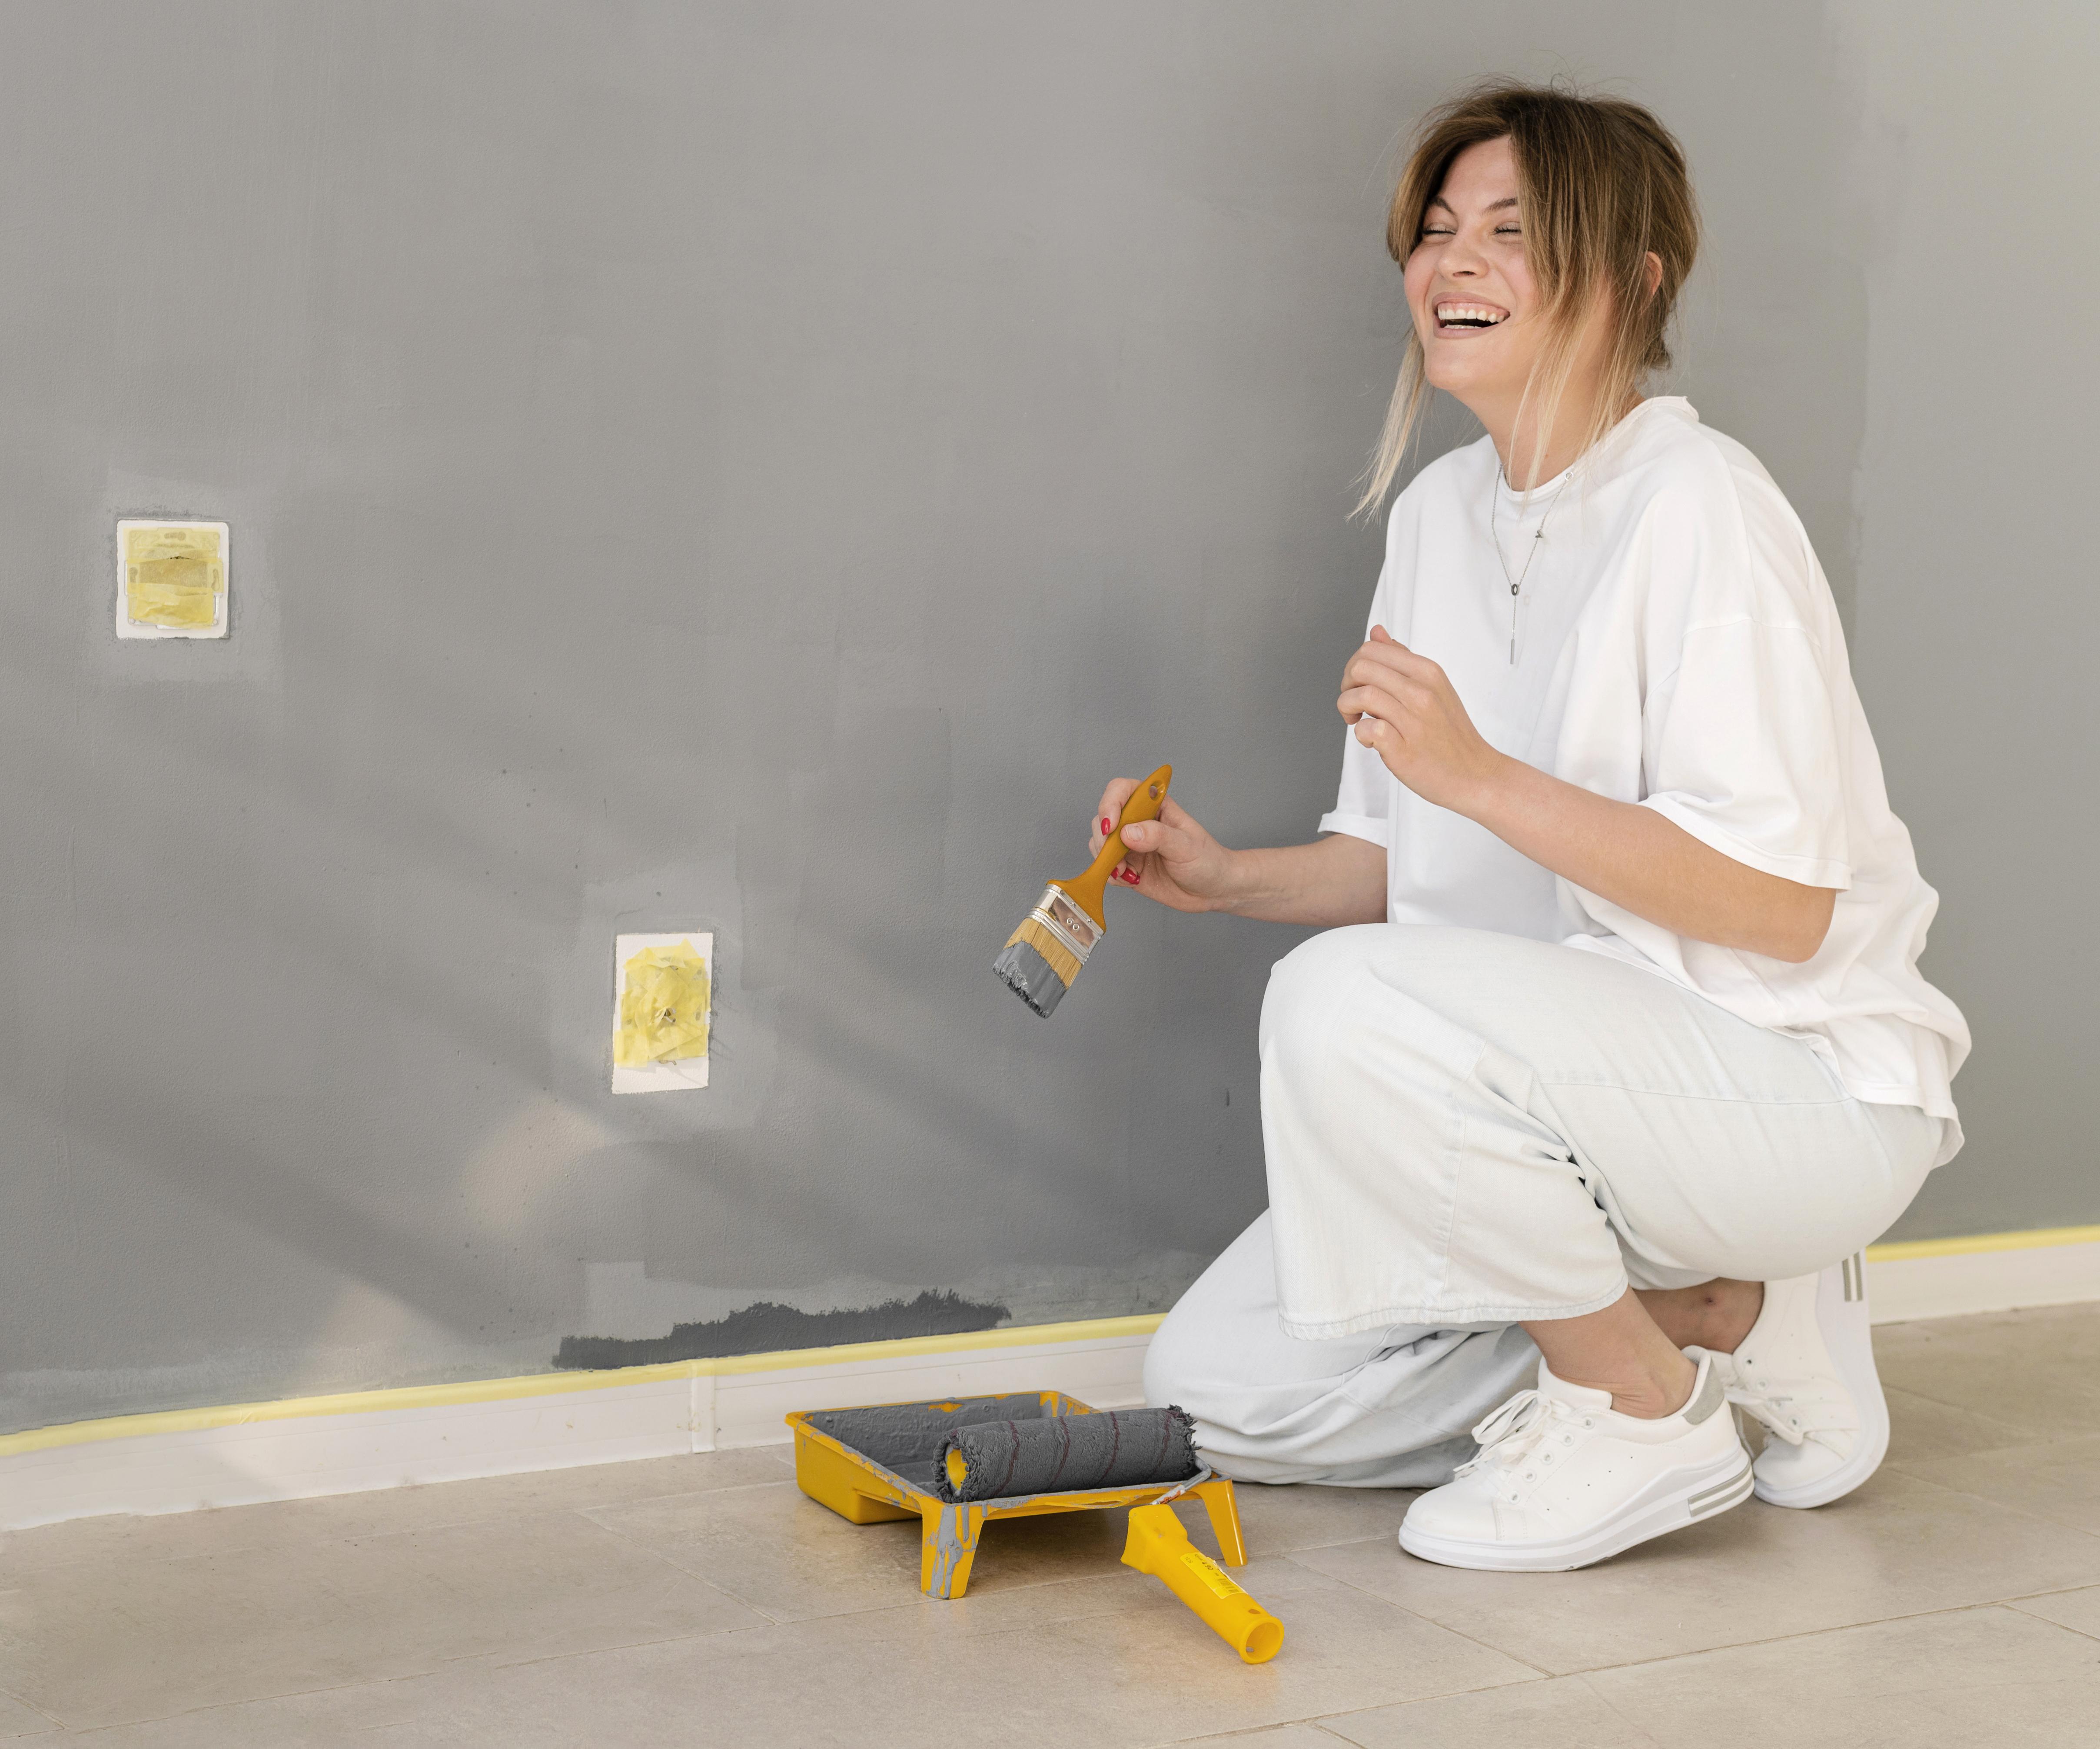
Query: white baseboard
x,y
1951,1284
290,1457
387,1439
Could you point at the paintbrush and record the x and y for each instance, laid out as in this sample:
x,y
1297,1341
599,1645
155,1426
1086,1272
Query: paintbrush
x,y
1044,955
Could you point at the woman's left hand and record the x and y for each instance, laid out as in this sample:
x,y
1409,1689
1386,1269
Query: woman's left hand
x,y
1405,709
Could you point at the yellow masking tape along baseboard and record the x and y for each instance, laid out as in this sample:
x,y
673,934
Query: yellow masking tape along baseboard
x,y
2034,1239
561,1383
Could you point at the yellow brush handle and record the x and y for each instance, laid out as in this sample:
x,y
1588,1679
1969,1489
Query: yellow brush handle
x,y
1144,801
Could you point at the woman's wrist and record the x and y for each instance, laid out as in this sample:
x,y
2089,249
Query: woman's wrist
x,y
1497,789
1236,885
1331,882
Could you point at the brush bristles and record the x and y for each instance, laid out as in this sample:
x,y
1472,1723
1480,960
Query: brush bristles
x,y
1061,958
1024,966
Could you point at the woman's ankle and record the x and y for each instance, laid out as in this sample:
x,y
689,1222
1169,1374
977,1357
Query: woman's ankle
x,y
1650,1399
1647,1393
1730,1310
1622,1351
1716,1315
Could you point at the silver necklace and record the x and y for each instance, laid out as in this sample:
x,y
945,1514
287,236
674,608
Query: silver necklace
x,y
1516,582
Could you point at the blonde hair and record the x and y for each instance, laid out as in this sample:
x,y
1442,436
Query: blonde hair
x,y
1601,185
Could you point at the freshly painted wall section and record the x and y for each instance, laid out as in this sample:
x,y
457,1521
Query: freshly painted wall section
x,y
757,470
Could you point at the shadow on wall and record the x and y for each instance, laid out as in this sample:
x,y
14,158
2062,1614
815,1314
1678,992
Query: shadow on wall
x,y
766,1326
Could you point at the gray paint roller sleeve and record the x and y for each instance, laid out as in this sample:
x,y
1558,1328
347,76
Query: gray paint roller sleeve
x,y
1111,1448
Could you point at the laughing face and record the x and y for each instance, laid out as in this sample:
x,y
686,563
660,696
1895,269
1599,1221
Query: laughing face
x,y
1469,284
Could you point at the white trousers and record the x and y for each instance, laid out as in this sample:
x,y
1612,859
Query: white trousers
x,y
1467,1130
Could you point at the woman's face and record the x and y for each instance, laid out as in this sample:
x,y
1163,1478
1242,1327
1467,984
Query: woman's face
x,y
1469,285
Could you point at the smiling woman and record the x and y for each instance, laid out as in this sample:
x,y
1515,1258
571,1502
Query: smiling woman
x,y
1567,229
1625,1052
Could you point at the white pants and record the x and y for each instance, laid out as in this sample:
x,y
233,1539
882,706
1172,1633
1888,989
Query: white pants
x,y
1467,1130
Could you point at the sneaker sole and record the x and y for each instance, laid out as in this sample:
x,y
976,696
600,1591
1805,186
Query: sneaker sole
x,y
1841,1313
1693,1497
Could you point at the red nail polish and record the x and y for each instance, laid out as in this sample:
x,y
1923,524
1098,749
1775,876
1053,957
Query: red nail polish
x,y
1105,825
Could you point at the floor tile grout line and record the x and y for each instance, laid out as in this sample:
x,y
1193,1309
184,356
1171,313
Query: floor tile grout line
x,y
1616,1711
686,1494
19,1700
2054,1591
1319,1721
1365,1591
1311,1722
600,1651
342,1538
229,1706
1806,1633
663,1557
2036,1615
1960,1408
489,1661
2022,1512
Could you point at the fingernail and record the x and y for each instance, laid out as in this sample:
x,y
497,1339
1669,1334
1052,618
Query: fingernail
x,y
1105,825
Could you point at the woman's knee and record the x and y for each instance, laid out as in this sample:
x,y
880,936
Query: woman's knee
x,y
1199,1353
1307,985
1425,965
1168,1375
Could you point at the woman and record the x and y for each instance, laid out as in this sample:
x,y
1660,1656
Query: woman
x,y
1616,1052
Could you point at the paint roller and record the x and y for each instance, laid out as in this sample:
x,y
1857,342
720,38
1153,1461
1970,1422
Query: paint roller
x,y
1114,1448
1042,958
1064,1454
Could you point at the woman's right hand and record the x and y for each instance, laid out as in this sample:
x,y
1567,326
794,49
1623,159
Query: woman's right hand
x,y
1171,858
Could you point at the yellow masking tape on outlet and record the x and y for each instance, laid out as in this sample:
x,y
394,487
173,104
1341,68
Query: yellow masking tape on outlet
x,y
173,577
663,1007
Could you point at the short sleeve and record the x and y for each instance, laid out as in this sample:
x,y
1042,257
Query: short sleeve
x,y
1744,751
1363,806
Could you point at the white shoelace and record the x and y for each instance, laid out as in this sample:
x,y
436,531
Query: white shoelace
x,y
1792,1418
1523,1428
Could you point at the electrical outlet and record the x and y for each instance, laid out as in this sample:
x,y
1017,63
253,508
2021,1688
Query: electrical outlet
x,y
173,578
663,991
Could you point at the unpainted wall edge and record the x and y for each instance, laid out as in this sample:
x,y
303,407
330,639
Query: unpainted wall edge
x,y
555,1383
558,1384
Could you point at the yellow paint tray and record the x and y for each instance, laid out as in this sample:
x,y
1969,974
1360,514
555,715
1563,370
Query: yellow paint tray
x,y
862,1489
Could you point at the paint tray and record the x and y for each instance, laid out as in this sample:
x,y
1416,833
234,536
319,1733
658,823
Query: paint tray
x,y
867,1473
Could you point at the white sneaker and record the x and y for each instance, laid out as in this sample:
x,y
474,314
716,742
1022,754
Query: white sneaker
x,y
1806,1371
1563,1479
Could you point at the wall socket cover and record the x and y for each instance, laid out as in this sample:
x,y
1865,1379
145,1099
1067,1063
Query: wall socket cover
x,y
174,579
638,1035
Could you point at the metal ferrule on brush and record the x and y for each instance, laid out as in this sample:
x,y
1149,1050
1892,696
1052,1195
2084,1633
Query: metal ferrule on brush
x,y
1056,913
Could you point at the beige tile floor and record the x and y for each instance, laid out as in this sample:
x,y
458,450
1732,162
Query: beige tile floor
x,y
1953,1600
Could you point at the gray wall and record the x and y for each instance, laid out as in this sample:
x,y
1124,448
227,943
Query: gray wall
x,y
762,468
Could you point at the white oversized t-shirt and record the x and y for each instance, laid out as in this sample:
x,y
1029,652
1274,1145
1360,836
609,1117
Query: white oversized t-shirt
x,y
1676,646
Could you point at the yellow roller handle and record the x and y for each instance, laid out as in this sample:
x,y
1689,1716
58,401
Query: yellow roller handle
x,y
1144,801
1159,1546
